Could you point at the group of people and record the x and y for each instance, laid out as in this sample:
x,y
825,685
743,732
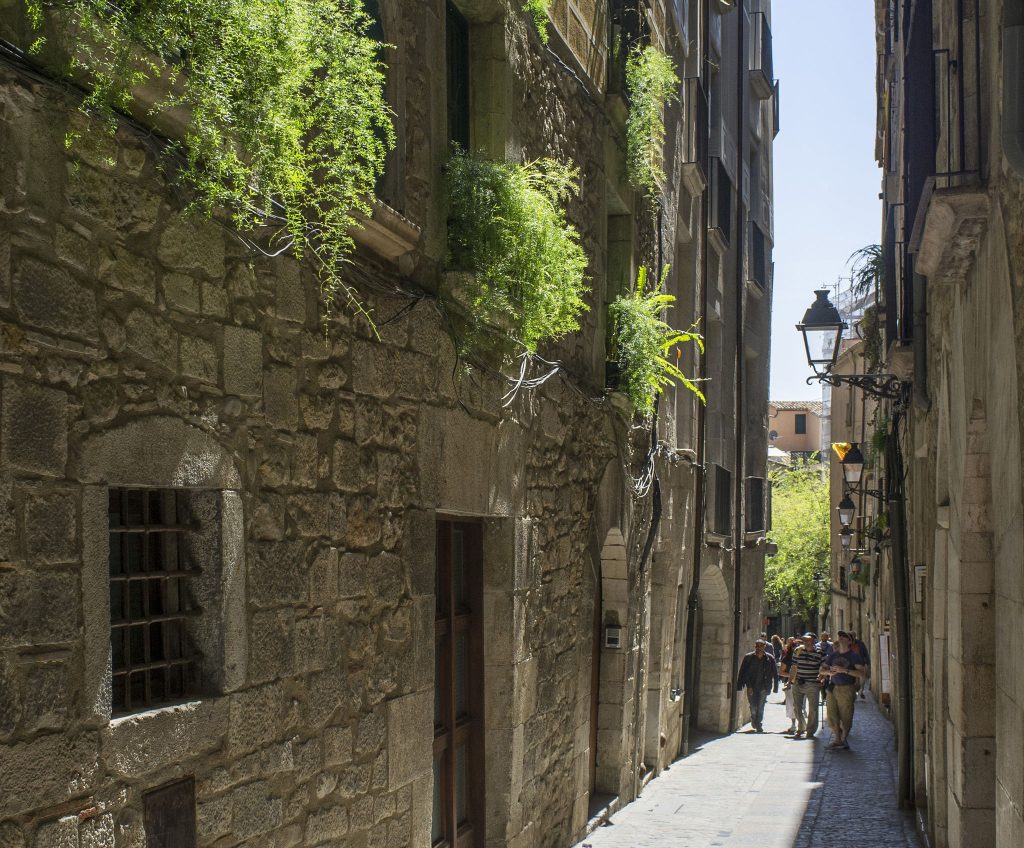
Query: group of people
x,y
810,668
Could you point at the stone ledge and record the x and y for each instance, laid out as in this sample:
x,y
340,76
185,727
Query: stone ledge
x,y
955,219
386,233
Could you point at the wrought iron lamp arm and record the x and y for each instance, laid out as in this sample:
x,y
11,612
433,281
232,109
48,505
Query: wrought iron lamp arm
x,y
879,385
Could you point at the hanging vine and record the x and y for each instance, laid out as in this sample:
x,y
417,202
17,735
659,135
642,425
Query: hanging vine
x,y
651,84
538,11
507,227
288,125
642,344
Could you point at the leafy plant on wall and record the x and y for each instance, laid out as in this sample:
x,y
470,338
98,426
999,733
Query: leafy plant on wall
x,y
507,226
643,344
651,84
538,11
288,125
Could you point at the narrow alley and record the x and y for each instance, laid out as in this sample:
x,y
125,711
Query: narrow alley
x,y
771,791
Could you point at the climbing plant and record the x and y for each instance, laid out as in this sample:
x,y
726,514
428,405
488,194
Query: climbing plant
x,y
642,344
871,332
538,10
651,84
507,226
288,126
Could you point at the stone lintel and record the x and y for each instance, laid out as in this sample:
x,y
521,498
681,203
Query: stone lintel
x,y
954,223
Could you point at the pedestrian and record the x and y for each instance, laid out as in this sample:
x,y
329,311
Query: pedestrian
x,y
844,667
862,649
777,648
758,675
826,647
808,664
787,672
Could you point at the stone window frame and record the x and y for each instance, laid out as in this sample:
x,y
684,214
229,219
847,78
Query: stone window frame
x,y
160,453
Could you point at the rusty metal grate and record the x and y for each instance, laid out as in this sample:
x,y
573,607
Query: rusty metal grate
x,y
152,655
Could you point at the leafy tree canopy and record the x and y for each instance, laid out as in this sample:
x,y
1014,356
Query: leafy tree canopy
x,y
800,528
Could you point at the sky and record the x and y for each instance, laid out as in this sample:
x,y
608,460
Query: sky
x,y
826,179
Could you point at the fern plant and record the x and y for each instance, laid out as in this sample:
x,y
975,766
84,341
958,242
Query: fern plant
x,y
651,84
288,124
507,226
538,10
642,343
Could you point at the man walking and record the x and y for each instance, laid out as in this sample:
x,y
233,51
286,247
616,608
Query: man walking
x,y
808,664
758,675
844,667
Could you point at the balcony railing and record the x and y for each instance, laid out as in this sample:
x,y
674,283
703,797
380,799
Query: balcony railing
x,y
761,76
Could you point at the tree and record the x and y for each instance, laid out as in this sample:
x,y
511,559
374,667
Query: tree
x,y
800,528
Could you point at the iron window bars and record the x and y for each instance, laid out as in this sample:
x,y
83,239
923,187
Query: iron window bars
x,y
153,659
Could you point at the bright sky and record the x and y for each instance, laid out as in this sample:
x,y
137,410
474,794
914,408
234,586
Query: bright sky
x,y
826,180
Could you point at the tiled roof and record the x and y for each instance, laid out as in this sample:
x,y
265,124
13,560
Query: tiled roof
x,y
799,405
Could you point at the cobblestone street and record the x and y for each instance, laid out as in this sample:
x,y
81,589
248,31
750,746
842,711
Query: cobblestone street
x,y
770,791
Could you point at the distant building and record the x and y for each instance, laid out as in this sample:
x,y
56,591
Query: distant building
x,y
794,426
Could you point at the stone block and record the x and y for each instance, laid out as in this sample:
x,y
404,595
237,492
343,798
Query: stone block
x,y
213,818
127,272
243,362
35,608
120,205
187,245
141,743
59,833
214,299
51,528
326,826
353,575
255,810
181,292
11,835
271,649
199,359
423,643
256,718
34,428
151,338
323,578
410,735
352,467
291,296
280,403
97,832
278,574
312,645
364,524
56,767
372,370
337,746
47,696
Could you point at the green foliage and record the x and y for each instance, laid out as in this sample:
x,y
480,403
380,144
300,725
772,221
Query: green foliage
x,y
289,127
871,332
879,436
800,528
866,271
651,83
538,10
507,226
642,343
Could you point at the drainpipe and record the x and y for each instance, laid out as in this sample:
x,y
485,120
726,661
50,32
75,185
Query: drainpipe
x,y
901,591
739,396
700,480
920,343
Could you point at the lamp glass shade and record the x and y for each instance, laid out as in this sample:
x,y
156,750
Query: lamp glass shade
x,y
845,538
855,566
846,509
853,465
822,329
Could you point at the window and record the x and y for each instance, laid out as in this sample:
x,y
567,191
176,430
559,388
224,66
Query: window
x,y
758,260
842,582
722,519
721,200
169,815
755,504
457,58
800,422
458,691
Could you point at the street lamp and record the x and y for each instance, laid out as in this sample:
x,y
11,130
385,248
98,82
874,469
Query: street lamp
x,y
846,509
846,538
856,564
853,466
822,330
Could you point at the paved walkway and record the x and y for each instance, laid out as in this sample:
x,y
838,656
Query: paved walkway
x,y
769,791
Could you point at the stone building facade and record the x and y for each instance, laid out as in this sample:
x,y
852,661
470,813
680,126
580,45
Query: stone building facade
x,y
953,236
271,583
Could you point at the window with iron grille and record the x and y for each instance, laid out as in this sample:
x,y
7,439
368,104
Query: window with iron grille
x,y
153,605
755,504
722,519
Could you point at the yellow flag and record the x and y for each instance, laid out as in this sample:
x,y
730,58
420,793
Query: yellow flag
x,y
841,449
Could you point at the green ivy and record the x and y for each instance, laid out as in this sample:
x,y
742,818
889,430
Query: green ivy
x,y
538,10
651,83
289,127
642,343
507,226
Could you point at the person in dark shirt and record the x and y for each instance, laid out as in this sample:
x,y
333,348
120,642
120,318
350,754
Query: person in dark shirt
x,y
862,649
844,667
759,676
